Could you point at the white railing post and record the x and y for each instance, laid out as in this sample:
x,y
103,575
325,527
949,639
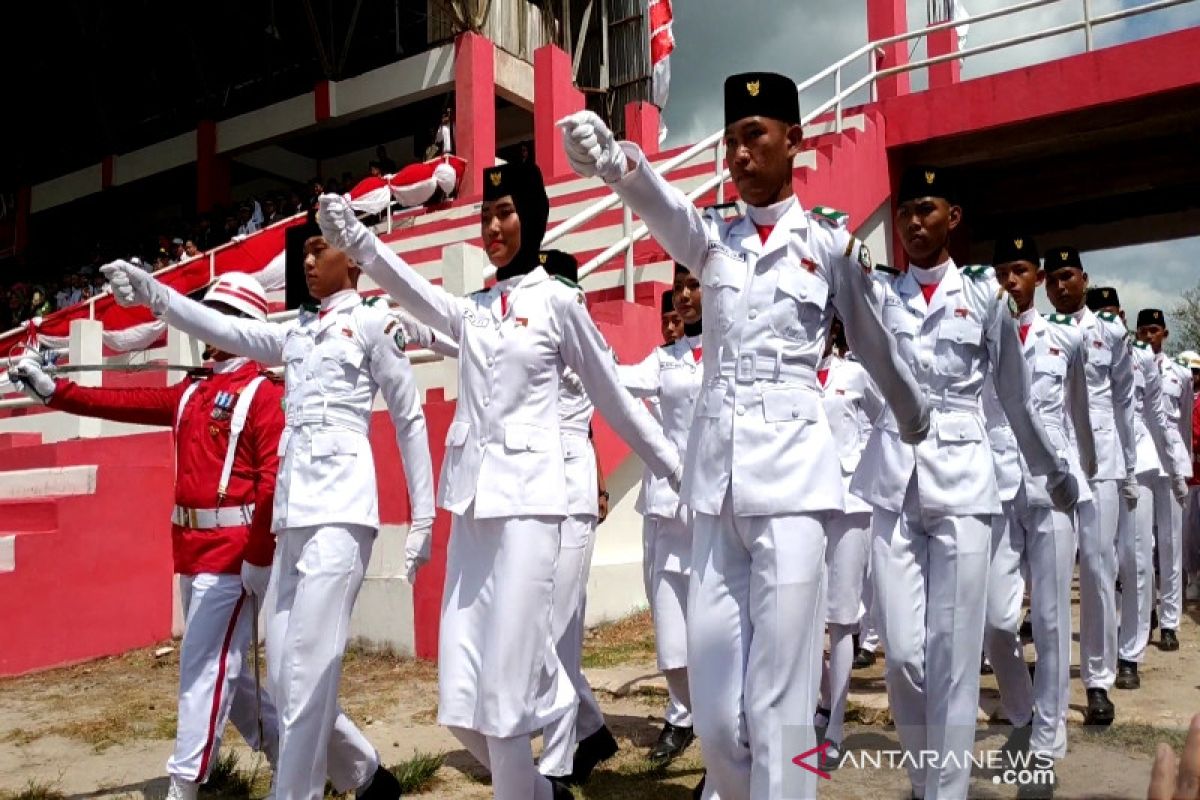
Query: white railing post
x,y
212,266
181,349
627,274
718,169
837,93
1087,25
463,266
85,345
389,217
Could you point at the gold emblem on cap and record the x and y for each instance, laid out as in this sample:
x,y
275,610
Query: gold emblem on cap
x,y
753,87
542,258
495,178
1018,243
1106,294
929,176
1062,255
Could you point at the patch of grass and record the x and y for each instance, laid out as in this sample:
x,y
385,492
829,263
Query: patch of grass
x,y
228,780
630,639
418,773
1134,736
35,790
20,736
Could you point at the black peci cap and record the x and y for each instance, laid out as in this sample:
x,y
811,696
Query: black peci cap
x,y
1151,316
761,94
1061,258
1016,248
923,180
668,301
1101,297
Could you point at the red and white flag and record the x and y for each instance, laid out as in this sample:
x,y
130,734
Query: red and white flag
x,y
662,44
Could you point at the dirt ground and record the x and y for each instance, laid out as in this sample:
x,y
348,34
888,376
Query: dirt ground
x,y
104,729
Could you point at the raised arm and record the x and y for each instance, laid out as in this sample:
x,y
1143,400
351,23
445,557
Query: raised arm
x,y
584,350
260,341
643,378
430,304
142,406
425,336
670,217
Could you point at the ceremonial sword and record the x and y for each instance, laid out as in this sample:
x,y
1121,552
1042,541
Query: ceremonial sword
x,y
54,369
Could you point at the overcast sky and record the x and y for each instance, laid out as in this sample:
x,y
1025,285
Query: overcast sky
x,y
715,38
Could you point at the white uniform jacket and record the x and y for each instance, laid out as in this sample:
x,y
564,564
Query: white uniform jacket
x,y
504,447
767,309
965,331
1057,362
1178,401
671,376
1110,393
1156,438
1006,455
575,412
335,360
853,405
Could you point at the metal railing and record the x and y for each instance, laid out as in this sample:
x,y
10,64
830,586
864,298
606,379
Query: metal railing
x,y
873,53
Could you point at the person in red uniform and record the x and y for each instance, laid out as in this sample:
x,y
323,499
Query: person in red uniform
x,y
227,426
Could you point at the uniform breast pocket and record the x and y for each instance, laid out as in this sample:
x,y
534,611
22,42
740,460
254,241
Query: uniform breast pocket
x,y
338,363
332,444
799,306
790,405
1048,375
723,281
902,325
1099,358
522,437
295,349
457,433
958,343
952,430
1172,388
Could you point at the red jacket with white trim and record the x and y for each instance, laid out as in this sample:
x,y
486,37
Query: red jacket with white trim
x,y
201,443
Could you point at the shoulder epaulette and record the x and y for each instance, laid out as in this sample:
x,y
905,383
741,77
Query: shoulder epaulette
x,y
1107,316
566,281
199,373
271,376
1139,345
884,268
830,216
309,307
978,273
1183,362
370,302
1060,319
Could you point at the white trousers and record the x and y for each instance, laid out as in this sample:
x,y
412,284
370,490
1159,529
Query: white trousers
x,y
570,606
215,682
1135,565
755,614
666,582
319,571
510,762
868,627
1168,535
847,555
1097,576
930,576
1044,540
1191,532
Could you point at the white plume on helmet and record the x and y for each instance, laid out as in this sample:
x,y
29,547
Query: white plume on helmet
x,y
240,292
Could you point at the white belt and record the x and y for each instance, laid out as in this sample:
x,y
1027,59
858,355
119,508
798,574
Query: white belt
x,y
327,417
954,402
752,366
209,518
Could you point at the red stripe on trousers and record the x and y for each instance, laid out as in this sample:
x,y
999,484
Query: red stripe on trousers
x,y
216,703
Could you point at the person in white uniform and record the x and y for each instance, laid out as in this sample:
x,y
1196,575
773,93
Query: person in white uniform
x,y
503,478
671,375
1178,400
1156,449
935,504
1038,536
1110,402
583,723
852,405
336,356
757,476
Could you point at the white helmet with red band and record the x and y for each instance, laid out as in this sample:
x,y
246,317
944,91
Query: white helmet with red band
x,y
241,292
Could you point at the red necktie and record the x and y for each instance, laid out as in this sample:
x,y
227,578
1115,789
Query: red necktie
x,y
697,352
503,304
928,289
823,376
764,231
1024,332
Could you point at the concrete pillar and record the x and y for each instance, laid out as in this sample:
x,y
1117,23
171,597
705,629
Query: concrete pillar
x,y
554,97
212,169
889,18
940,43
463,266
181,349
85,345
475,107
642,121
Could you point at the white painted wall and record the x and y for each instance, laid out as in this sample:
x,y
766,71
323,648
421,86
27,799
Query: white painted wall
x,y
175,152
266,123
65,188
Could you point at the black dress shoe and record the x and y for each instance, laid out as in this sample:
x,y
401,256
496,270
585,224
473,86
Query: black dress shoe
x,y
864,658
561,792
600,746
1041,787
671,742
1027,626
1127,675
1167,640
383,786
1100,710
1153,619
698,792
985,666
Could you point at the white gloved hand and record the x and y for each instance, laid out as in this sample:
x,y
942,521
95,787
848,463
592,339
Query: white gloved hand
x,y
572,382
342,229
417,547
916,433
591,147
675,479
133,286
255,579
30,378
1063,489
1129,491
1179,488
